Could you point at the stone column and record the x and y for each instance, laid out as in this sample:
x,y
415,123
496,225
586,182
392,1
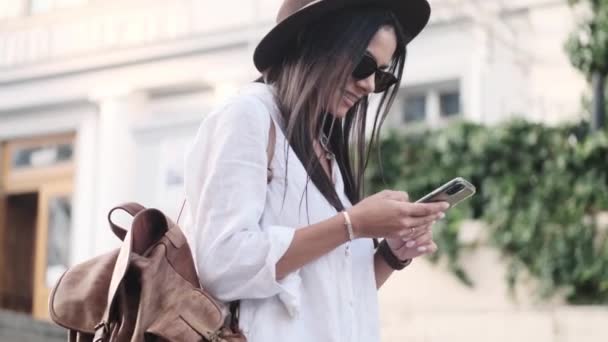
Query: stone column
x,y
115,172
84,219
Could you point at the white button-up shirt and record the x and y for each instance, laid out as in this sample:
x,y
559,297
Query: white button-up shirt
x,y
238,227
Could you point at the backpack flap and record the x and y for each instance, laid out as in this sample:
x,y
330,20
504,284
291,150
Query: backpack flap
x,y
79,298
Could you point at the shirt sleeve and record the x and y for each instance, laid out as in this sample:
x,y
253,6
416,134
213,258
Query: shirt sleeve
x,y
225,182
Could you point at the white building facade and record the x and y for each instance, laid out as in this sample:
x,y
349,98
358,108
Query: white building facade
x,y
98,99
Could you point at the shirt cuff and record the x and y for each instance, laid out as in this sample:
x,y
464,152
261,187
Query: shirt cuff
x,y
289,293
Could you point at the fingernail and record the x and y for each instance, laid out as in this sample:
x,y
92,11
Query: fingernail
x,y
441,215
410,244
445,205
421,249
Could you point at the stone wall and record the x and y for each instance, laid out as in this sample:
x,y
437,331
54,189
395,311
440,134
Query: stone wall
x,y
426,303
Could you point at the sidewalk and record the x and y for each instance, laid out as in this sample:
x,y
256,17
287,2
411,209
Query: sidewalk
x,y
15,327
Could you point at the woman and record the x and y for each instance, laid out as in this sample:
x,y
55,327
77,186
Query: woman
x,y
296,252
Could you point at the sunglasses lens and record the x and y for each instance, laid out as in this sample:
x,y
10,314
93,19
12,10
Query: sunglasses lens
x,y
368,66
365,68
383,81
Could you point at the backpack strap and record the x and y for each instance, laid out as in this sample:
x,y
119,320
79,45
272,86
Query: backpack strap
x,y
132,209
148,227
272,139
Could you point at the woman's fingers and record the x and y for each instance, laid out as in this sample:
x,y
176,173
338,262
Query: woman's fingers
x,y
388,212
423,209
423,238
417,250
413,222
428,248
414,232
400,196
409,251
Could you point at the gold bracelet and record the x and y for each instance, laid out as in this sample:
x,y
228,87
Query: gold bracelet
x,y
349,226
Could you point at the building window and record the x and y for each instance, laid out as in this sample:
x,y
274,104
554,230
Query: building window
x,y
42,155
41,6
32,159
414,108
432,104
449,103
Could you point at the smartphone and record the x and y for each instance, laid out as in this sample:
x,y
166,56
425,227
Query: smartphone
x,y
453,192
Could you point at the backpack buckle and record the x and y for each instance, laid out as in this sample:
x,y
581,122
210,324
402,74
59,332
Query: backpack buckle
x,y
101,330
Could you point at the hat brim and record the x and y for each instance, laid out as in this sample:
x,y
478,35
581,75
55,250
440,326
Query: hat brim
x,y
413,15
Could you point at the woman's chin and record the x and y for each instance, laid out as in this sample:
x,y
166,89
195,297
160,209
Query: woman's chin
x,y
341,111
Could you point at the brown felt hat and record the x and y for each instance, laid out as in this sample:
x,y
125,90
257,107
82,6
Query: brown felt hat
x,y
413,15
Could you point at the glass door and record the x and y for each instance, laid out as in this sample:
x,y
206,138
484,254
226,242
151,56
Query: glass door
x,y
52,250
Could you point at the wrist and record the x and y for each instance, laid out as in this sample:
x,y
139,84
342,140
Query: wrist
x,y
389,257
355,223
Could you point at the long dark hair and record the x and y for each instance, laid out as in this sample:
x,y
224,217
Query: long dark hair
x,y
318,64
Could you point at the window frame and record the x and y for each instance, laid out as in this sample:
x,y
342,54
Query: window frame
x,y
22,180
29,7
432,92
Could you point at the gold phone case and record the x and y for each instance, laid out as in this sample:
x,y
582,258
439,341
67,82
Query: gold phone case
x,y
453,192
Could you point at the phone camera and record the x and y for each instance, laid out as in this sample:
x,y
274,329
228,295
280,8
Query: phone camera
x,y
454,188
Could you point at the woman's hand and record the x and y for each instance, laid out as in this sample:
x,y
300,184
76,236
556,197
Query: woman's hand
x,y
416,243
389,214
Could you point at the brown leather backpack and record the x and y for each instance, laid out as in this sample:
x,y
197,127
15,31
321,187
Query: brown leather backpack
x,y
147,290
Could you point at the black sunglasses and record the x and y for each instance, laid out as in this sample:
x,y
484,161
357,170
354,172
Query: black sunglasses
x,y
368,66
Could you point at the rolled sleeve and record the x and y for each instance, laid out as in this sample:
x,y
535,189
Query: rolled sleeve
x,y
289,292
225,182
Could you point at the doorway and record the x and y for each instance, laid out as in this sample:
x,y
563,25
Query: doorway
x,y
35,220
17,245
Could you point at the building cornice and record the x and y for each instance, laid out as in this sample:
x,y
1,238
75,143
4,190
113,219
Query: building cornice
x,y
185,47
50,44
114,34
